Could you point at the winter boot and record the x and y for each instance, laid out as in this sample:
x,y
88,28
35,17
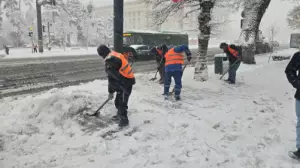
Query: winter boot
x,y
123,121
115,118
297,153
166,97
231,82
177,97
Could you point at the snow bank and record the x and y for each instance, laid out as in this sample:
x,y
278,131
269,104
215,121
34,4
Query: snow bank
x,y
73,51
285,53
248,125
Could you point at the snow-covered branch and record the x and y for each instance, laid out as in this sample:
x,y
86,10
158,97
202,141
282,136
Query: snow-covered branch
x,y
293,18
162,9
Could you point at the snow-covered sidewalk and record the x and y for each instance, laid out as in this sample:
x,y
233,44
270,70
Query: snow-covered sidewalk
x,y
16,53
250,125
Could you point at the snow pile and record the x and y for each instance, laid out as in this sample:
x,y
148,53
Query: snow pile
x,y
27,52
248,125
285,53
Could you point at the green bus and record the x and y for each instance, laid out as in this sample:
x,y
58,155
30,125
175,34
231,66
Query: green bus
x,y
154,38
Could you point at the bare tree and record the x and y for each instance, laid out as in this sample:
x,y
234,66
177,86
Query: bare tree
x,y
89,9
104,29
293,18
13,13
272,33
204,19
253,12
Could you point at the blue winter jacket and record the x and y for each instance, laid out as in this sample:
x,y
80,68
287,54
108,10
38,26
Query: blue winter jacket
x,y
178,67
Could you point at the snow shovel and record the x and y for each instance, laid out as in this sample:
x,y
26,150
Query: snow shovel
x,y
98,110
174,86
155,77
229,69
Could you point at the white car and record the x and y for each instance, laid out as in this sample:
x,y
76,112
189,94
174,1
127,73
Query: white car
x,y
2,53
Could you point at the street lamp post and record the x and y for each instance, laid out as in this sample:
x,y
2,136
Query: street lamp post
x,y
39,26
39,21
118,25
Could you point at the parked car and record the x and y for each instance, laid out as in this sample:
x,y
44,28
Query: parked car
x,y
275,44
143,52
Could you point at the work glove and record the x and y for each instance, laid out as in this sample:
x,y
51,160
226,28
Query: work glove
x,y
110,96
189,58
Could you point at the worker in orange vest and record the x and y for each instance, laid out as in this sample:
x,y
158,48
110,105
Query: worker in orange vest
x,y
159,52
174,59
126,55
120,79
234,55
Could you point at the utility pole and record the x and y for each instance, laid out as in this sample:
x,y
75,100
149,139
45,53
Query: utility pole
x,y
118,25
49,39
39,21
31,35
39,26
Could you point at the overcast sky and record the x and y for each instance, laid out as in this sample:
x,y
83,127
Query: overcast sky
x,y
275,15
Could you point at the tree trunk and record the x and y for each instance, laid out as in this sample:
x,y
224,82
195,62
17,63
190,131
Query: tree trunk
x,y
204,18
253,12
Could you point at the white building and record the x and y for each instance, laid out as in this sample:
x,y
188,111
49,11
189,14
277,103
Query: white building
x,y
137,16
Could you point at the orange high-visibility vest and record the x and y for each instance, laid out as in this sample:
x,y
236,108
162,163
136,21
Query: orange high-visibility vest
x,y
125,69
126,55
159,52
174,58
233,51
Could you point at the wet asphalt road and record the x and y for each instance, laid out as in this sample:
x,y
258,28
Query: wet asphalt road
x,y
29,75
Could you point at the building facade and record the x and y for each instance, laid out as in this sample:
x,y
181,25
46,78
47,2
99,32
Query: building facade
x,y
137,16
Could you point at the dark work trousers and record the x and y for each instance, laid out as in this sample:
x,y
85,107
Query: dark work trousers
x,y
177,75
161,71
232,71
121,101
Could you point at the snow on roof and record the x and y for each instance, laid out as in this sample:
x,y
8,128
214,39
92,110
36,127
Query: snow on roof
x,y
136,46
152,31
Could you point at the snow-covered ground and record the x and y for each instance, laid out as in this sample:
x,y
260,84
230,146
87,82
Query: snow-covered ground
x,y
249,125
